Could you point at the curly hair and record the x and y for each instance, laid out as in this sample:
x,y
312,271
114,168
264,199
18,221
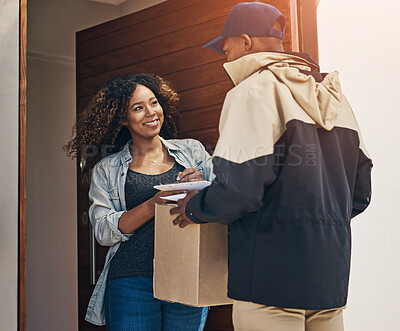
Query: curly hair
x,y
101,123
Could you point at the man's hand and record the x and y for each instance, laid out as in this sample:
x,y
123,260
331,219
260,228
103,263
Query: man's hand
x,y
182,220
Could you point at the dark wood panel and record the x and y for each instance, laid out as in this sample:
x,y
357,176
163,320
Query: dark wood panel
x,y
176,60
204,96
83,238
146,30
82,103
164,65
203,118
207,137
84,179
83,225
146,35
124,22
83,201
186,69
83,274
87,291
191,77
186,37
197,76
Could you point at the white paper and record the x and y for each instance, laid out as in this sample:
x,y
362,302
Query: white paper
x,y
174,197
188,186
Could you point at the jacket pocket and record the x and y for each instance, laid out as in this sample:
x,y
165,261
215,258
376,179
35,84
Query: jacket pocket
x,y
114,197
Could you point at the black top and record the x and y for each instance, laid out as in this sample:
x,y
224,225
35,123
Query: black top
x,y
135,256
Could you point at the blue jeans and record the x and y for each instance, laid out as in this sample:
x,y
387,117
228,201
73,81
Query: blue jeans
x,y
130,305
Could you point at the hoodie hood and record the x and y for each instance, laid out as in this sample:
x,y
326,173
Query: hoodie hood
x,y
321,101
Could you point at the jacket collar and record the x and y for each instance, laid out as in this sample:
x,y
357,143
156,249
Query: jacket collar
x,y
247,65
126,154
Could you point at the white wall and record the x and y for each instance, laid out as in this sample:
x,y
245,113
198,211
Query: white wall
x,y
360,38
52,302
9,117
52,280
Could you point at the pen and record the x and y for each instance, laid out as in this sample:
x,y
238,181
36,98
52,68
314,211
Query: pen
x,y
200,162
197,164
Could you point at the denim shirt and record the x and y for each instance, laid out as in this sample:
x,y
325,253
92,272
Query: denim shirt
x,y
107,197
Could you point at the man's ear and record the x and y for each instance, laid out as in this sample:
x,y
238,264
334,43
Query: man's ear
x,y
246,41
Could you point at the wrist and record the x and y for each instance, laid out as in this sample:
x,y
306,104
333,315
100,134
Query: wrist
x,y
151,204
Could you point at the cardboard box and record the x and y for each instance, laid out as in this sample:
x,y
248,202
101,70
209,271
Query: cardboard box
x,y
190,264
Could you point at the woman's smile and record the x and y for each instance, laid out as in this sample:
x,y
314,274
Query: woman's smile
x,y
153,123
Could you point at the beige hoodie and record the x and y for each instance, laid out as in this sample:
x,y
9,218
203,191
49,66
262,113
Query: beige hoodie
x,y
261,103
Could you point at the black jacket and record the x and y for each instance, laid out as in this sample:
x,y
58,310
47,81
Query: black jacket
x,y
291,171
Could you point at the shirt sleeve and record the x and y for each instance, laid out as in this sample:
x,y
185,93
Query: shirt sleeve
x,y
206,165
103,217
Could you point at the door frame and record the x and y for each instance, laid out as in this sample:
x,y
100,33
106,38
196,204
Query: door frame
x,y
22,167
307,27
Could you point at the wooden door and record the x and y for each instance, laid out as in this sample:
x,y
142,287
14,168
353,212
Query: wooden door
x,y
165,39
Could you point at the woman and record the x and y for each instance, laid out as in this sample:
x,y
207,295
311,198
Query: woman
x,y
133,113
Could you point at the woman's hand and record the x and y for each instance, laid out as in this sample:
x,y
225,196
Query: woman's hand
x,y
189,175
158,195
